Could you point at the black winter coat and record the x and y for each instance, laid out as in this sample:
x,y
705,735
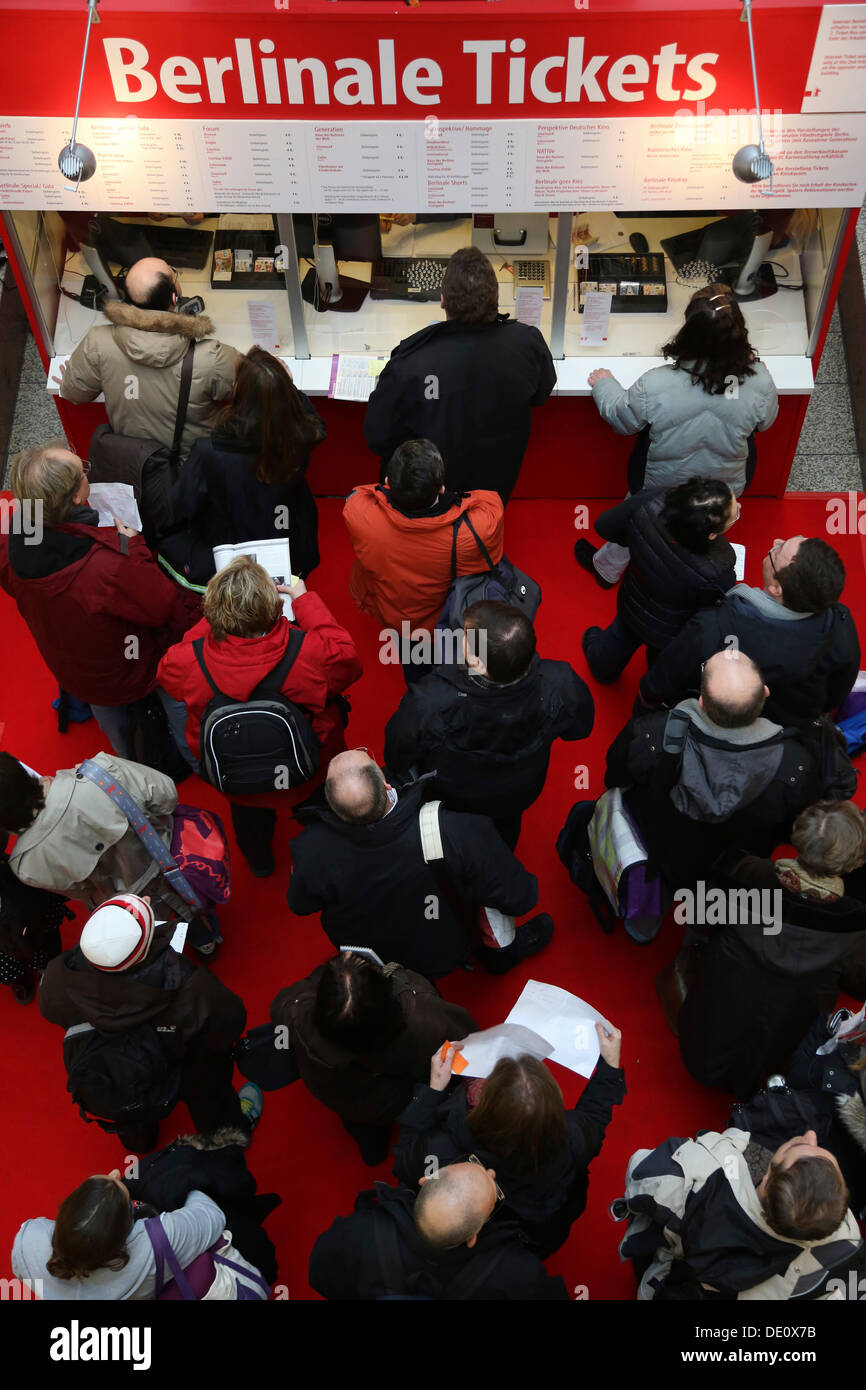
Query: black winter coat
x,y
222,502
809,664
731,793
664,584
762,979
434,1124
346,1265
370,1089
470,387
372,887
488,744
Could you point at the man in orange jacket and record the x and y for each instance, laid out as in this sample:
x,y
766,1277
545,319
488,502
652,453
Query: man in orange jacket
x,y
403,534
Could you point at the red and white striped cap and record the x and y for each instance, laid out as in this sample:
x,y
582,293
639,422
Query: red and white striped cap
x,y
118,934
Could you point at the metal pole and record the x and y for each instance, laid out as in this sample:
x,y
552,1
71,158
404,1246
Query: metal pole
x,y
292,273
562,267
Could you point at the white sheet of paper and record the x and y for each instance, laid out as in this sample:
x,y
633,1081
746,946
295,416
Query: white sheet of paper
x,y
115,500
179,938
528,302
596,317
263,323
566,1021
739,562
482,1051
354,378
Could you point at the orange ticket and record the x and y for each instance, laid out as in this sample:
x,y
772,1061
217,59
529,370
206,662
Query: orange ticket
x,y
459,1064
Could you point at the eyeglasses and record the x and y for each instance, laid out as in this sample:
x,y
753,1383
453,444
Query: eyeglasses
x,y
476,1162
770,554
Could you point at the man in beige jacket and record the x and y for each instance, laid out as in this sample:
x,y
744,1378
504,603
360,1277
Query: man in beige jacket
x,y
136,361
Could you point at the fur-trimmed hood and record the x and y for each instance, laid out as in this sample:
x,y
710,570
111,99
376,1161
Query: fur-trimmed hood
x,y
852,1113
154,337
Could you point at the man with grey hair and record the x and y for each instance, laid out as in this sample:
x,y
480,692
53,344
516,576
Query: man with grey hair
x,y
136,360
98,606
439,1244
408,879
714,772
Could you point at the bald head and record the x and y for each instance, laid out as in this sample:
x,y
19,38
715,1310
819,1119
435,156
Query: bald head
x,y
355,788
451,1209
732,690
150,284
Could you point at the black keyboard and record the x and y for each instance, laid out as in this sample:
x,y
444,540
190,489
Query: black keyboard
x,y
408,277
186,248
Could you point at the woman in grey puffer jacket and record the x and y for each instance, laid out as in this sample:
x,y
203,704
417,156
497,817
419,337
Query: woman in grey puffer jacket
x,y
700,409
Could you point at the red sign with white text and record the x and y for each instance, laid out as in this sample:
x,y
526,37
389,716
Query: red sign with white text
x,y
233,67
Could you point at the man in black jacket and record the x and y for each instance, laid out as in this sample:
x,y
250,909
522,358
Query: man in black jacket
x,y
440,1243
713,772
486,728
805,640
469,384
384,876
124,973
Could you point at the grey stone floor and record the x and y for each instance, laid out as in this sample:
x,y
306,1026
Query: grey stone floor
x,y
826,459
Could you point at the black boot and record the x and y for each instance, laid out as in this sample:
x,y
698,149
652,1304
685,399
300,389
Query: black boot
x,y
531,937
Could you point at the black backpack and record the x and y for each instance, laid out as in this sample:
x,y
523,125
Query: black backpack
x,y
262,744
120,1079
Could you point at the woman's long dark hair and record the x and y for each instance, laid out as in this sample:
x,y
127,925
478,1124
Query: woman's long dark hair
x,y
713,343
695,510
91,1231
266,411
520,1117
21,796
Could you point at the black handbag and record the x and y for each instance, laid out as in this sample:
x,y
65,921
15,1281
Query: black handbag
x,y
503,583
150,468
259,1059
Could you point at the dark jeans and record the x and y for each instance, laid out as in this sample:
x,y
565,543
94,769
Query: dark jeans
x,y
254,831
374,1141
609,652
207,1089
509,828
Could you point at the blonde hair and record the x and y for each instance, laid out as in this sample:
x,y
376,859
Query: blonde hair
x,y
37,475
242,600
830,837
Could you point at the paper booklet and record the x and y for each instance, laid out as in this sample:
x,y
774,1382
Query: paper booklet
x,y
739,561
273,555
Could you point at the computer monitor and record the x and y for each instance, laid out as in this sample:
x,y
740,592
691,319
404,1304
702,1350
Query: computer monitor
x,y
355,236
729,241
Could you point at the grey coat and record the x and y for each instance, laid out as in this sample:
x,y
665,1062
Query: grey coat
x,y
82,845
691,432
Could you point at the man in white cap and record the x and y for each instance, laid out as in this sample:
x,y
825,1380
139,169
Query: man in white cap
x,y
124,973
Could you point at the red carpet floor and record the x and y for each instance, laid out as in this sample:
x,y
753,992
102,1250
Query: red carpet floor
x,y
300,1149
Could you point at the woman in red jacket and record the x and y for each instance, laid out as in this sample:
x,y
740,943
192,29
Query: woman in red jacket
x,y
245,638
